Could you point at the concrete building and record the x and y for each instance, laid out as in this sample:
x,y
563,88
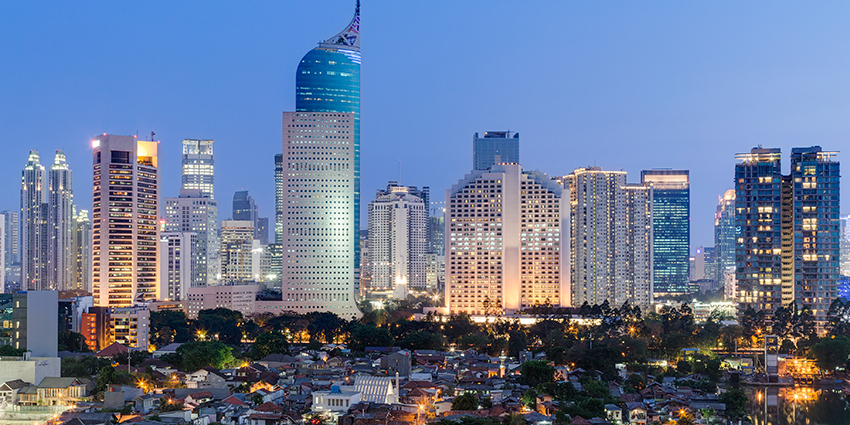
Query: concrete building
x,y
504,242
610,238
130,326
10,239
3,241
278,198
240,298
845,246
192,212
435,272
177,265
245,209
96,325
125,260
788,244
321,161
671,228
61,224
81,277
725,238
35,233
235,254
496,147
198,172
263,230
397,243
36,322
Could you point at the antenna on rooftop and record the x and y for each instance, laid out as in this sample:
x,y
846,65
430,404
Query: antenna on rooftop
x,y
152,134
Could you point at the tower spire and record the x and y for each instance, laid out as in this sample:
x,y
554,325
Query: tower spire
x,y
349,37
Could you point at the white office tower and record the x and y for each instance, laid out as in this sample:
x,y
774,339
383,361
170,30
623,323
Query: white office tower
x,y
10,240
611,238
194,213
61,223
505,249
235,255
397,242
125,235
81,252
3,242
177,265
198,166
319,228
35,234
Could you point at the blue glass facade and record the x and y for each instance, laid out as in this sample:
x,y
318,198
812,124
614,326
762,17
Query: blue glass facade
x,y
671,229
495,147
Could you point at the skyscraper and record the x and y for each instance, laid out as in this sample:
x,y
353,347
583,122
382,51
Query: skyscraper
x,y
35,234
191,212
263,230
845,245
504,244
278,199
177,264
397,242
787,249
496,147
10,242
125,247
198,166
724,243
235,255
321,157
611,236
61,223
671,227
81,252
245,209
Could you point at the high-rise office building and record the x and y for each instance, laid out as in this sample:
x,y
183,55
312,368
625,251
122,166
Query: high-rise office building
x,y
496,147
61,223
263,230
245,209
235,254
724,243
397,225
125,232
845,245
504,244
193,213
2,257
198,166
611,236
393,187
10,238
437,235
278,198
35,233
177,265
787,248
81,252
321,157
671,227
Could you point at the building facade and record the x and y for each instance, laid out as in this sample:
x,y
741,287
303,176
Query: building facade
x,y
125,232
81,252
177,265
504,244
397,243
198,171
61,223
278,198
496,147
191,212
35,232
10,238
671,227
725,238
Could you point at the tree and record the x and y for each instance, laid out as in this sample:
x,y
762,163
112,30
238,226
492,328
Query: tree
x,y
111,376
486,403
72,341
685,419
422,340
167,326
362,336
466,401
324,326
9,351
831,353
735,401
536,372
839,317
683,366
198,354
222,324
269,343
516,343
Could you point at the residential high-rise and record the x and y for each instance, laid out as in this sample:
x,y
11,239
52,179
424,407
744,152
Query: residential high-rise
x,y
724,243
278,198
193,213
235,254
845,245
787,248
177,265
3,241
424,194
125,234
10,238
671,227
611,236
198,166
35,233
61,223
397,224
496,147
504,244
321,157
81,252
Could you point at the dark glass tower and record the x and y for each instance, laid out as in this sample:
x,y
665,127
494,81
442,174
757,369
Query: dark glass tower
x,y
671,229
328,80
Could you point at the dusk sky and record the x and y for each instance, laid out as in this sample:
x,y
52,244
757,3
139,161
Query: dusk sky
x,y
620,85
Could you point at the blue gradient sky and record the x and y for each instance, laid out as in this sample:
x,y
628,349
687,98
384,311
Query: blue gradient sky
x,y
622,85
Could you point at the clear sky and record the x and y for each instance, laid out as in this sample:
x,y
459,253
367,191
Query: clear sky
x,y
621,85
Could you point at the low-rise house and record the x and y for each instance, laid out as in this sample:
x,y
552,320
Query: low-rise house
x,y
205,378
62,391
194,400
168,349
9,390
28,396
146,402
614,414
337,399
636,413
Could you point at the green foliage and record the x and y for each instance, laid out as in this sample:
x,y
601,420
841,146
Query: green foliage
x,y
269,343
169,326
516,342
466,401
168,405
9,351
362,336
324,326
221,324
683,366
72,341
198,354
476,341
422,340
634,383
831,353
529,398
83,367
735,401
470,421
838,317
112,376
536,372
486,403
561,391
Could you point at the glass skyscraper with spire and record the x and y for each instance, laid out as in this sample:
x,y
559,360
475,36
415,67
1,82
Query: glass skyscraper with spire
x,y
321,178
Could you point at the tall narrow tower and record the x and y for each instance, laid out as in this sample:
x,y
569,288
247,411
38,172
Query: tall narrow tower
x,y
35,270
671,226
61,223
125,240
321,161
198,166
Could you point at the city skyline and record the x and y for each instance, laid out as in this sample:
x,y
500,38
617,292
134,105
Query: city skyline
x,y
690,114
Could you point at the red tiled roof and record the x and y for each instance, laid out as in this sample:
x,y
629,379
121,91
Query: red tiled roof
x,y
269,407
234,401
111,350
201,394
